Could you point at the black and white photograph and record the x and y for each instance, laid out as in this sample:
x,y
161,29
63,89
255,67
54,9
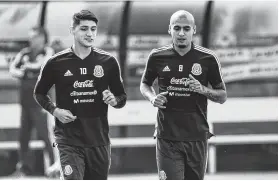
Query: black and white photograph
x,y
139,90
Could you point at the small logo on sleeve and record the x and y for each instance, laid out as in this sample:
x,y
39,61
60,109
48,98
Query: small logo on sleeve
x,y
196,69
98,71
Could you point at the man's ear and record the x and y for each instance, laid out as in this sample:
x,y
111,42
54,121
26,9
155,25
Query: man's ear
x,y
169,30
195,27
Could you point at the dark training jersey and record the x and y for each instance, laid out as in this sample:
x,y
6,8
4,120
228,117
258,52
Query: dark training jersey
x,y
185,115
79,84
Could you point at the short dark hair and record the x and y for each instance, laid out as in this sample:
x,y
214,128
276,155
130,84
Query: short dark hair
x,y
41,31
83,15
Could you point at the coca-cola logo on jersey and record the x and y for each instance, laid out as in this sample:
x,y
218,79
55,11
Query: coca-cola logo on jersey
x,y
87,83
182,81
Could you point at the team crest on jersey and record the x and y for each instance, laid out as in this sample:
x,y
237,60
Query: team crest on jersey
x,y
68,170
98,71
196,69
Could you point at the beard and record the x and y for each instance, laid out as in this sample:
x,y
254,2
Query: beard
x,y
182,46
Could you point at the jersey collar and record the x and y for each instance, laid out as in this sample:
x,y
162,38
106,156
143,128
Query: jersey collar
x,y
72,50
192,47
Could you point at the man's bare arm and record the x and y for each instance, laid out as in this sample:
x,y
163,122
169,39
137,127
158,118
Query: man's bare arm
x,y
147,91
217,94
16,72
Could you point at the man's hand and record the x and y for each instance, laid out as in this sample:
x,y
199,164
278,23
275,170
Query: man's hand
x,y
26,66
16,72
159,100
109,98
195,85
63,115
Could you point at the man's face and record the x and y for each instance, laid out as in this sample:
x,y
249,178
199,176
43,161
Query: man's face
x,y
36,39
181,31
85,33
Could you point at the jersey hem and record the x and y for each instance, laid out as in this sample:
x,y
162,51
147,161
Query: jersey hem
x,y
62,141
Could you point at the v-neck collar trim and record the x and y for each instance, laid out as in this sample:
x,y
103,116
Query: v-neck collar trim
x,y
192,47
72,50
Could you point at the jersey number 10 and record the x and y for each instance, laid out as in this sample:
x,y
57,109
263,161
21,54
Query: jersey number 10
x,y
83,71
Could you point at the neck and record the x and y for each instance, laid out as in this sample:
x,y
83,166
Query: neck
x,y
183,51
81,51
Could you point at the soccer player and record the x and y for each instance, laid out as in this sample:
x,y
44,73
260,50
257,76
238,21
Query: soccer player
x,y
183,70
26,67
86,81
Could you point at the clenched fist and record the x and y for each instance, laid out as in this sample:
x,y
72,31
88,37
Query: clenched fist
x,y
63,115
195,85
159,100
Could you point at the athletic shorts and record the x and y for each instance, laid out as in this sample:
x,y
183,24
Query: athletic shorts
x,y
181,160
84,163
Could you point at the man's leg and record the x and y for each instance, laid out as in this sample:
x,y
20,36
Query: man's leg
x,y
98,160
25,164
72,162
196,162
39,117
170,161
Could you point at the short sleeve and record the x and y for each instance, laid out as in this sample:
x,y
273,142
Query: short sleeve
x,y
150,73
116,81
215,74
